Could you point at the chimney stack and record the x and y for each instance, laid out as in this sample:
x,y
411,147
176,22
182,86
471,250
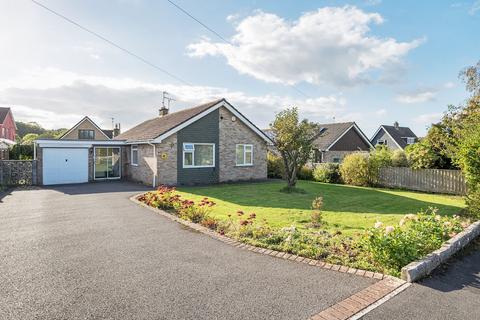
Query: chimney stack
x,y
396,125
116,130
163,111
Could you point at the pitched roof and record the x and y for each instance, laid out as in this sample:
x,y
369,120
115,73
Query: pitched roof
x,y
86,118
398,133
3,113
330,132
108,133
155,127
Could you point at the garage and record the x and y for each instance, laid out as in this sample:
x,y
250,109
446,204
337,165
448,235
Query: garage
x,y
65,165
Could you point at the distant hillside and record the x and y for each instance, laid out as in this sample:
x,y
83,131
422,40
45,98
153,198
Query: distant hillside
x,y
24,128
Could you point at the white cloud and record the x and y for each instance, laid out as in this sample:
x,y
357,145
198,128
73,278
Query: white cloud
x,y
474,8
381,112
373,2
417,97
428,118
331,45
449,85
56,98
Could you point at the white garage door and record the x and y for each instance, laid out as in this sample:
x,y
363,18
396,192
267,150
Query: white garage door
x,y
64,165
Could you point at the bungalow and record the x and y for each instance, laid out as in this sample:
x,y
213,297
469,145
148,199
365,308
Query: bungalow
x,y
394,137
209,143
336,140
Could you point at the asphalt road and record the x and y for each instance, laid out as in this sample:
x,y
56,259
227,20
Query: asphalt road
x,y
452,292
87,252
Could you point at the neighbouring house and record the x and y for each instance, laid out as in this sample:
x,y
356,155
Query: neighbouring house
x,y
394,137
210,143
337,140
8,131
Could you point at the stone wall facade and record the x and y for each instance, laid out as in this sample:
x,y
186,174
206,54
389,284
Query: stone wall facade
x,y
18,172
144,171
236,132
167,161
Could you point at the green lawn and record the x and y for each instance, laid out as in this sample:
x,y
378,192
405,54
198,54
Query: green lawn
x,y
346,208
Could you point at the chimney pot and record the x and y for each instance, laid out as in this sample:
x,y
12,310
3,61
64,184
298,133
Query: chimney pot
x,y
163,111
396,125
116,130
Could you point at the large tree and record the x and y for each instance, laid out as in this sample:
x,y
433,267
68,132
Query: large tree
x,y
293,140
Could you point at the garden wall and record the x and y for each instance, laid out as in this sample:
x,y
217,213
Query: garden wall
x,y
427,180
18,172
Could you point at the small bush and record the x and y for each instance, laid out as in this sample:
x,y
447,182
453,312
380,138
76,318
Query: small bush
x,y
393,247
275,166
399,159
189,210
355,169
327,173
316,216
305,173
210,223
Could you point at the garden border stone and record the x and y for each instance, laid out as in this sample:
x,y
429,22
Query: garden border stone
x,y
416,270
268,252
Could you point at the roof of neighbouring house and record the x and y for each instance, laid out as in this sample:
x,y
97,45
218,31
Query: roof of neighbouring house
x,y
398,133
330,132
108,133
3,113
86,118
165,125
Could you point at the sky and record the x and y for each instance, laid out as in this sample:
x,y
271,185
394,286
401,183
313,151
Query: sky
x,y
369,61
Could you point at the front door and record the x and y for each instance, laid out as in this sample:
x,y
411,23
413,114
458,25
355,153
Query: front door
x,y
107,163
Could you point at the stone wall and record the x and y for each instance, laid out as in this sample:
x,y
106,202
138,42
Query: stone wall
x,y
167,161
144,171
18,172
236,132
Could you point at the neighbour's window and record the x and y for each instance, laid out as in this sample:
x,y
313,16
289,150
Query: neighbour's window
x,y
382,142
86,134
317,156
134,155
410,140
198,155
244,154
336,160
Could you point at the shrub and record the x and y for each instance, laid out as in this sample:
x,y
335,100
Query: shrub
x,y
393,247
381,156
421,156
305,173
210,223
189,210
327,173
355,169
399,159
316,216
275,166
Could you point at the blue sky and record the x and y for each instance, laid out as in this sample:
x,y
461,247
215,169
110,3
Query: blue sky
x,y
369,61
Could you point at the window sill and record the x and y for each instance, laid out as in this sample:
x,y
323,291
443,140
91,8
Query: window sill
x,y
195,167
134,164
244,165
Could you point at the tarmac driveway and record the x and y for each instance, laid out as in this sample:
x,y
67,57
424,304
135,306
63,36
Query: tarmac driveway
x,y
86,251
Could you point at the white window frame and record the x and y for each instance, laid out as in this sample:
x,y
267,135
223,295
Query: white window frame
x,y
244,155
383,142
410,140
119,165
192,166
134,147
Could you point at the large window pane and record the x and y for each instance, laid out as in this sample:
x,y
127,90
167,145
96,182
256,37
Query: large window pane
x,y
239,154
203,155
188,160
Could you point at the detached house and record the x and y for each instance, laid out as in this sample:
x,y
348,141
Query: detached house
x,y
8,131
336,140
209,143
394,137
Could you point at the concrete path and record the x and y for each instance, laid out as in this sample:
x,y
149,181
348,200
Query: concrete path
x,y
452,292
87,252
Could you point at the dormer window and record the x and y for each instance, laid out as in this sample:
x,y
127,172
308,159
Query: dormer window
x,y
86,134
382,142
410,140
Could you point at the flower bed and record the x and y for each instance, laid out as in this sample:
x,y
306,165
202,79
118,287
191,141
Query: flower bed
x,y
382,249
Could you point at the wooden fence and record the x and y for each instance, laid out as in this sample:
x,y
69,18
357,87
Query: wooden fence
x,y
18,172
428,180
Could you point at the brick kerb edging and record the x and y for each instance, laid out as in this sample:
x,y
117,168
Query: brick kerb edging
x,y
421,268
264,251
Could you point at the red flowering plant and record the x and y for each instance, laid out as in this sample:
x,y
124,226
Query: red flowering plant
x,y
195,212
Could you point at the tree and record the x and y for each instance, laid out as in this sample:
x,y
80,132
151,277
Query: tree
x,y
293,139
420,155
29,138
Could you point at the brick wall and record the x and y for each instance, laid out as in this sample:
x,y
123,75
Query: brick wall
x,y
236,132
167,161
145,169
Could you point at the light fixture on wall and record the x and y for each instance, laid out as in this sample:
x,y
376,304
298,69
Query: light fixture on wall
x,y
234,118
